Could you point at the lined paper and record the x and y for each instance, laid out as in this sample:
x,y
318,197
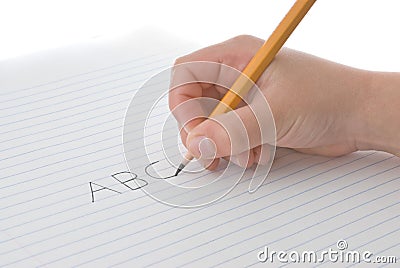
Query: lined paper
x,y
62,117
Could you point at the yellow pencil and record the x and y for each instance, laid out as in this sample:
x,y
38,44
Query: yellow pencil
x,y
261,60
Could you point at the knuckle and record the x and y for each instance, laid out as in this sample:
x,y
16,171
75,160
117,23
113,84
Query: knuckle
x,y
171,106
242,37
180,60
212,129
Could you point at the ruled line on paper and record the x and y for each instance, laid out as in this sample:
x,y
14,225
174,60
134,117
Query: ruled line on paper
x,y
156,237
62,239
120,226
355,234
232,232
63,93
35,87
133,200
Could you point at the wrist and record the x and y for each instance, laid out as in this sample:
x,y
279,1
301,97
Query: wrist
x,y
378,113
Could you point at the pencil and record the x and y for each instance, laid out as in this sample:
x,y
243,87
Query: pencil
x,y
257,65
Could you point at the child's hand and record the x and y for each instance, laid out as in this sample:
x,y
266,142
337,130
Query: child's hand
x,y
317,105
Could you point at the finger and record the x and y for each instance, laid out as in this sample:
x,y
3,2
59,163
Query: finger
x,y
226,134
183,133
329,150
263,154
244,159
193,68
188,118
210,164
192,83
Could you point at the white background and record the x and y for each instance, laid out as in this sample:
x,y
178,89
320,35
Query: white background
x,y
361,33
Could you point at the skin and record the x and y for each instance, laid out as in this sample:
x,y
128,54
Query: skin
x,y
320,107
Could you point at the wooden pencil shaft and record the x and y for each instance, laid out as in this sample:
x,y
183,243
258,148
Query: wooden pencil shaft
x,y
263,58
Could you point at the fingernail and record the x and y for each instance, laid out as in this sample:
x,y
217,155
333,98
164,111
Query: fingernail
x,y
206,162
203,147
235,159
241,159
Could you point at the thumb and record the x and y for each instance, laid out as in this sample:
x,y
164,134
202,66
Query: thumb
x,y
227,134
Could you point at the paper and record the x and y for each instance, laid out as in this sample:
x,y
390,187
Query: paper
x,y
61,129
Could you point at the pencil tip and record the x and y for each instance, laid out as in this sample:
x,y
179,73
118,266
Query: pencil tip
x,y
181,166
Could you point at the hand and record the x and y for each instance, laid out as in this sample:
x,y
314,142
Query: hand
x,y
317,104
